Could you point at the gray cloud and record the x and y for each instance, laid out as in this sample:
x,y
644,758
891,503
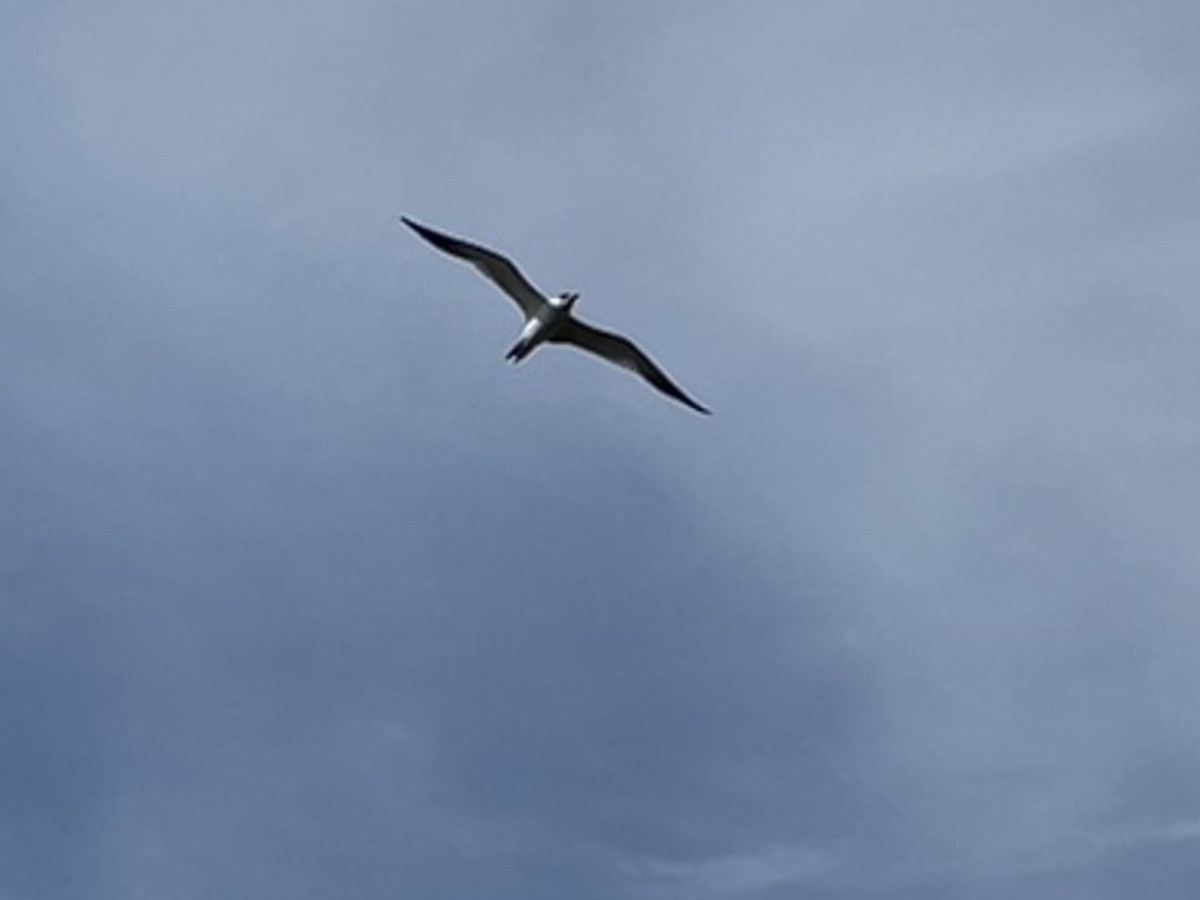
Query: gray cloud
x,y
305,592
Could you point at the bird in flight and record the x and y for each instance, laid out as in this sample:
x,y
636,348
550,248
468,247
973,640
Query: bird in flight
x,y
549,318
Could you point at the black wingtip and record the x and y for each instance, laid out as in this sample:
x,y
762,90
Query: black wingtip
x,y
673,391
423,230
444,242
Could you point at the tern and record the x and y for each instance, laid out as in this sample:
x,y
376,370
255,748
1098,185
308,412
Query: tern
x,y
549,318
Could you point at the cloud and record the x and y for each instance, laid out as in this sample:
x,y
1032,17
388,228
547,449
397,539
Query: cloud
x,y
305,592
740,875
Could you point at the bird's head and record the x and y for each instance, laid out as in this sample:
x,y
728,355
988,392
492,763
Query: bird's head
x,y
566,301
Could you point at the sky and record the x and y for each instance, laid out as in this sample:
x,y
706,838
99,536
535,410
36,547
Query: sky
x,y
305,592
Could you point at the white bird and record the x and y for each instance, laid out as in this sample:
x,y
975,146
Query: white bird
x,y
549,318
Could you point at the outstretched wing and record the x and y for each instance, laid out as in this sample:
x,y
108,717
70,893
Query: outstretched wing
x,y
498,269
624,353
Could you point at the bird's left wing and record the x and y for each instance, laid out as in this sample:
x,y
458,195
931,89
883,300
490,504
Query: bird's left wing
x,y
625,353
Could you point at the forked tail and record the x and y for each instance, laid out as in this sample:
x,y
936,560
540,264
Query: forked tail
x,y
519,351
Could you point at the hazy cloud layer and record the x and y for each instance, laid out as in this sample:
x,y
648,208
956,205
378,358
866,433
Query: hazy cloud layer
x,y
304,592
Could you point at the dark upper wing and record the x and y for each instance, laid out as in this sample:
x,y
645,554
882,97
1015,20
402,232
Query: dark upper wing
x,y
498,269
624,353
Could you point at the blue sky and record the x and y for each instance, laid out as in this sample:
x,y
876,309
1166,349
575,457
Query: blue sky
x,y
305,592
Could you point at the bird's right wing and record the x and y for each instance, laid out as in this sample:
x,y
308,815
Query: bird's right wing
x,y
496,268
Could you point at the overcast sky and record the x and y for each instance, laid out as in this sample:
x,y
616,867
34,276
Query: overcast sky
x,y
306,593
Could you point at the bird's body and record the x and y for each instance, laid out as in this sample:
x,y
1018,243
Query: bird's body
x,y
550,318
542,326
